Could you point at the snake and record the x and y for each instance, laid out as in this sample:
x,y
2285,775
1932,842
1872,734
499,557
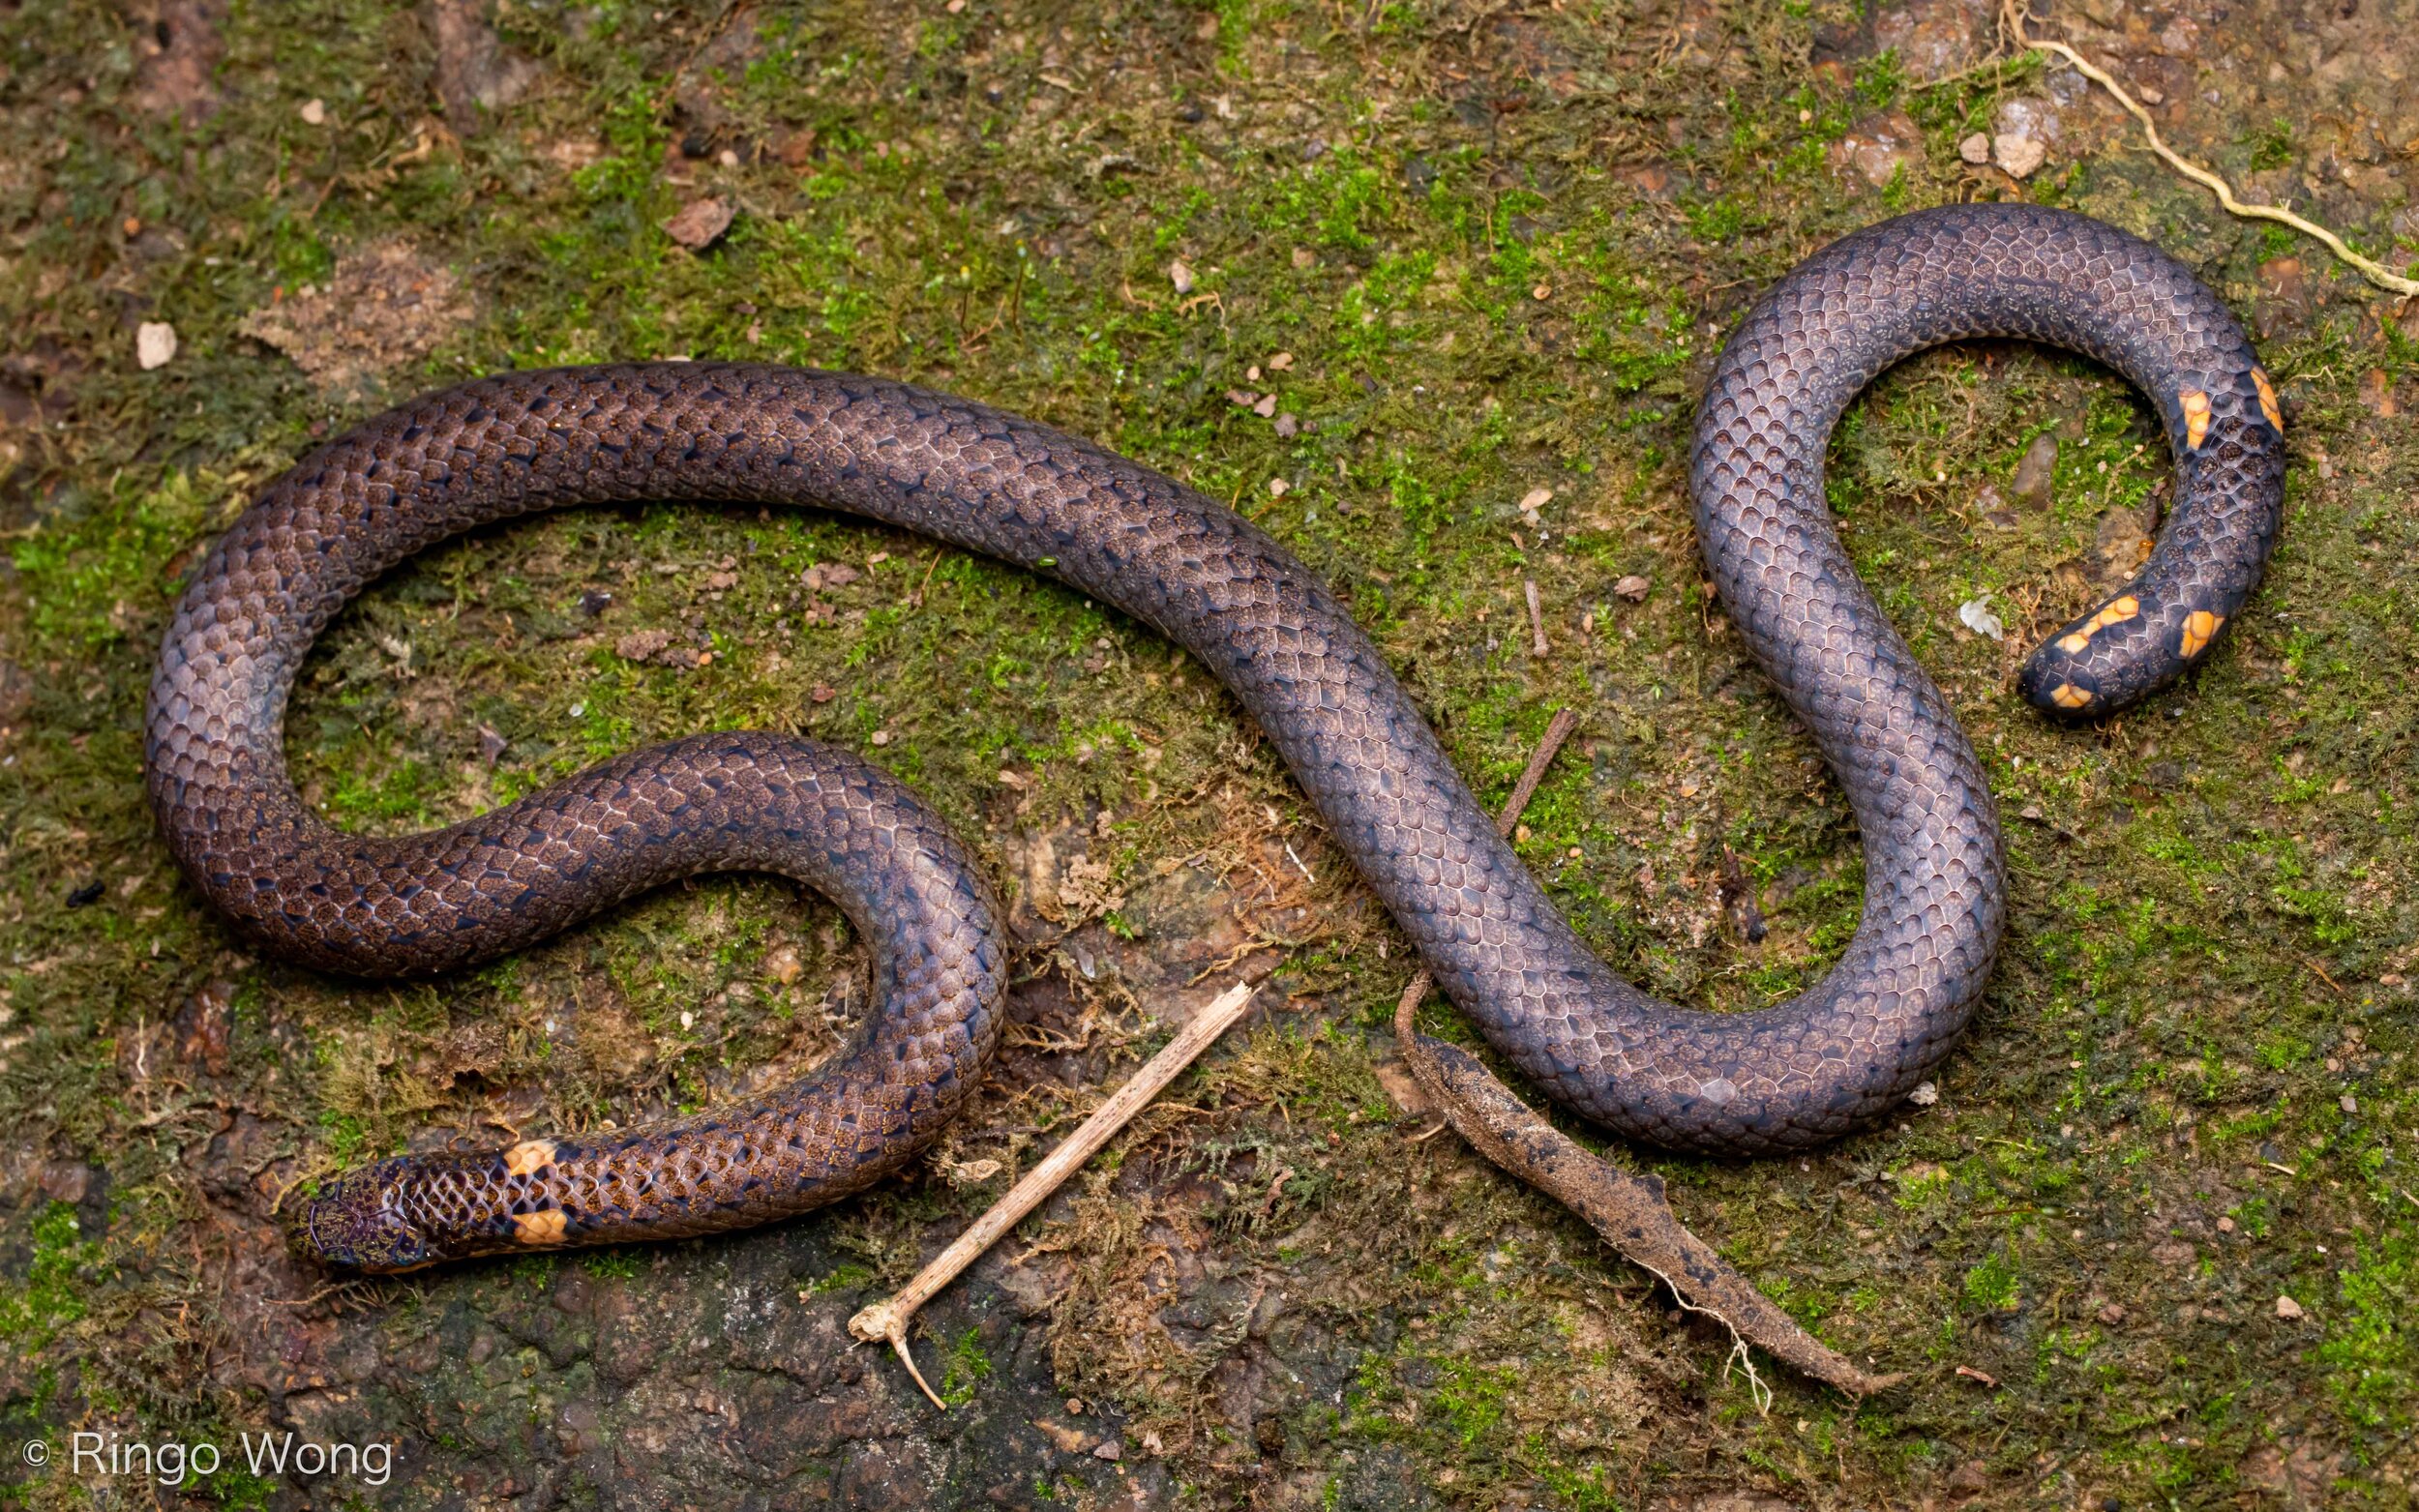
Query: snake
x,y
1839,1056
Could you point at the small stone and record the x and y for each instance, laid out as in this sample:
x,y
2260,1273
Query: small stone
x,y
1111,1450
1282,362
1543,293
727,158
2287,1309
2349,1103
2226,1225
1075,1404
1305,257
641,645
1277,487
1535,500
1633,588
783,966
2018,157
491,746
155,344
2112,1314
1287,425
314,112
823,692
881,737
1975,149
699,223
1924,1095
1266,407
1178,272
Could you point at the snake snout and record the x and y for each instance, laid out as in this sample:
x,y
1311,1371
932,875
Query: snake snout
x,y
350,1226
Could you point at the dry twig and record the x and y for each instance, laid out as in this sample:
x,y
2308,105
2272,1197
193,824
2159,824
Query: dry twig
x,y
887,1320
1630,1212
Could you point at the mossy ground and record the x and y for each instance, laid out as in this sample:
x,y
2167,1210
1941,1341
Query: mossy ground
x,y
1497,246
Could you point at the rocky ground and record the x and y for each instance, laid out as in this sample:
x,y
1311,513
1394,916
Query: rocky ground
x,y
1426,287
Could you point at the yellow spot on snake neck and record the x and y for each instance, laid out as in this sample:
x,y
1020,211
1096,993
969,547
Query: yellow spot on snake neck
x,y
2067,696
2196,416
2268,405
529,1157
2199,627
546,1228
2116,612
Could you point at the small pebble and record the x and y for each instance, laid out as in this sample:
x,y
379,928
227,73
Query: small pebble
x,y
1633,588
1975,149
2018,156
1180,276
314,112
2287,1309
155,344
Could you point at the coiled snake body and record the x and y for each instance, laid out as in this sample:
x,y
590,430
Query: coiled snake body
x,y
1781,1077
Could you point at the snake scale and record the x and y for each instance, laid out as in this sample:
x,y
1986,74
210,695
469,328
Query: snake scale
x,y
1783,1078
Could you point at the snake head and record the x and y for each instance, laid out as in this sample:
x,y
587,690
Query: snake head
x,y
352,1224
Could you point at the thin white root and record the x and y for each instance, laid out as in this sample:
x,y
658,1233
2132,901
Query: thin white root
x,y
2012,16
886,1321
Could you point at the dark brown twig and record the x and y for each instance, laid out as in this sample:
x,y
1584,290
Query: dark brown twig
x,y
1630,1212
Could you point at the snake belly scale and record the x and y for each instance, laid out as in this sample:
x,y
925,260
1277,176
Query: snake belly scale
x,y
1809,1070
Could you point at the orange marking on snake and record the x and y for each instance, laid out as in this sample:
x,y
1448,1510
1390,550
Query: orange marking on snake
x,y
2268,405
2200,628
529,1157
2067,696
2196,416
546,1228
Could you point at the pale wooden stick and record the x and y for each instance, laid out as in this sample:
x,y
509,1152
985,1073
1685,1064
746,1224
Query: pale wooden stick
x,y
888,1319
2013,17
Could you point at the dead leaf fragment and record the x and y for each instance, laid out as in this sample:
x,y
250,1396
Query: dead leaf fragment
x,y
701,224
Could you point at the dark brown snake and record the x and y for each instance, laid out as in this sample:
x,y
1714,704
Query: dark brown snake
x,y
1809,1070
